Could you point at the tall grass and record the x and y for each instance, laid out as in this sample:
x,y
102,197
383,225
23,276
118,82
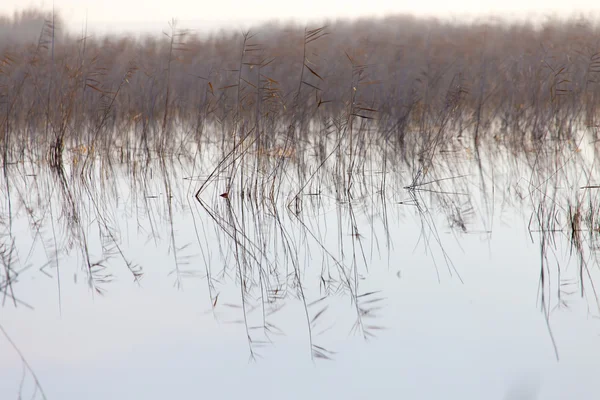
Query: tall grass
x,y
265,127
403,74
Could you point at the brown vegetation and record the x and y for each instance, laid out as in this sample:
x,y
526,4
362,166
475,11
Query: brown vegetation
x,y
402,74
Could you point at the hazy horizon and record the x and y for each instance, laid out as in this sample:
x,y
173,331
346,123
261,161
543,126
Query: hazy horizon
x,y
113,17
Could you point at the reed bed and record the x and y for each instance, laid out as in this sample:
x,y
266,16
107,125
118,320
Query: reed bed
x,y
248,135
402,75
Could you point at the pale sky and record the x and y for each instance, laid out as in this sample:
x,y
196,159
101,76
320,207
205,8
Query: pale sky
x,y
149,15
